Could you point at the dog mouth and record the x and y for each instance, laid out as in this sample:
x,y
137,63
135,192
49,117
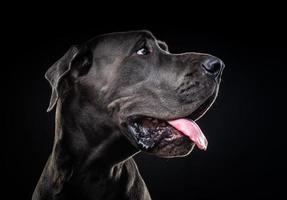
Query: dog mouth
x,y
151,133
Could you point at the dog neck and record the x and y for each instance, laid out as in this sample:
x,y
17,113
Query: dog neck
x,y
83,144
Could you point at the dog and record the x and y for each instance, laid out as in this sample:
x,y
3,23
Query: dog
x,y
116,95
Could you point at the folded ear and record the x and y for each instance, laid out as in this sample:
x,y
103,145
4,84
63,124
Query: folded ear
x,y
57,71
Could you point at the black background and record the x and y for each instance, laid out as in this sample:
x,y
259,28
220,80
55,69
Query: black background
x,y
245,157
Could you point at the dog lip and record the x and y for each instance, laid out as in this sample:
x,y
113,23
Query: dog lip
x,y
194,115
148,144
202,109
149,132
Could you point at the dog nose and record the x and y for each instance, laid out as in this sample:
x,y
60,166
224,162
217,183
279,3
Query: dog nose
x,y
212,65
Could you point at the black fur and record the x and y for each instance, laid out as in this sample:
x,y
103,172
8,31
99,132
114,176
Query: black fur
x,y
97,87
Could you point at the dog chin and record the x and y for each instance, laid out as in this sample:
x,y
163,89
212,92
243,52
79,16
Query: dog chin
x,y
173,150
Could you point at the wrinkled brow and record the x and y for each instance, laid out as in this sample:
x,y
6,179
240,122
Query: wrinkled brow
x,y
162,45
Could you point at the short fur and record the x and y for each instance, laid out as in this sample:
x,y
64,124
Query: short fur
x,y
97,86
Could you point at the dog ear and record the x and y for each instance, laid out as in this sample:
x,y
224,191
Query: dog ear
x,y
57,71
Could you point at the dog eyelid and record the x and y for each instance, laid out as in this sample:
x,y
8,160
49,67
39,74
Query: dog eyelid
x,y
143,48
143,51
162,45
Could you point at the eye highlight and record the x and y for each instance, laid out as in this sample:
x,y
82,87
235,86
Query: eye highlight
x,y
143,51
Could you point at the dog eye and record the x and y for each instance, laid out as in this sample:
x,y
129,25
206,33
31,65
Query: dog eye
x,y
143,51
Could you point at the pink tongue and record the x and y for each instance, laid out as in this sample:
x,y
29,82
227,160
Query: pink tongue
x,y
192,130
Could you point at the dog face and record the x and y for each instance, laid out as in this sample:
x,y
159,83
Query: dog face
x,y
151,95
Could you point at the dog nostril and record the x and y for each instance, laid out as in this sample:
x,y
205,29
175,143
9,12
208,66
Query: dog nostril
x,y
212,66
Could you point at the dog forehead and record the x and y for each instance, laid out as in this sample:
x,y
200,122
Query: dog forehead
x,y
117,43
128,35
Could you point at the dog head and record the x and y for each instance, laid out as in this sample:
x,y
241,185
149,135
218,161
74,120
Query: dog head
x,y
131,81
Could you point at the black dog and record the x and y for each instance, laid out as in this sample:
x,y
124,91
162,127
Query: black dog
x,y
116,95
